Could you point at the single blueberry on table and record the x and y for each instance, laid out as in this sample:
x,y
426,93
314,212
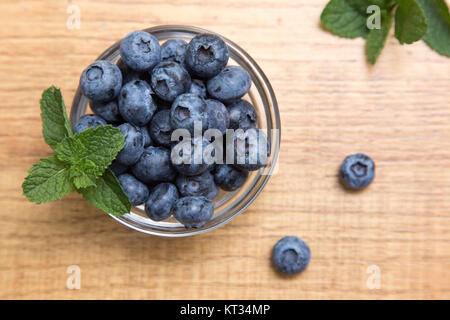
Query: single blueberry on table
x,y
160,201
242,115
87,121
251,149
136,103
107,110
136,191
291,255
218,115
154,166
140,50
206,55
187,109
229,178
201,185
160,128
118,168
230,84
193,212
146,135
174,50
198,87
357,171
191,157
101,81
169,80
134,144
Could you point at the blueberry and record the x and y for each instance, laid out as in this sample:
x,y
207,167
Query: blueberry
x,y
193,212
230,84
251,149
140,50
101,81
169,80
136,191
229,178
242,115
187,109
201,185
213,193
357,171
218,115
195,163
146,136
198,87
154,166
174,50
129,74
118,168
107,110
291,255
87,121
134,144
206,55
160,128
135,103
161,201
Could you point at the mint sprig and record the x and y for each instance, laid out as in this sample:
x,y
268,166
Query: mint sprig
x,y
80,161
428,20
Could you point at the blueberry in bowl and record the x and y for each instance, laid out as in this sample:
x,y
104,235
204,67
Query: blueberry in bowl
x,y
212,75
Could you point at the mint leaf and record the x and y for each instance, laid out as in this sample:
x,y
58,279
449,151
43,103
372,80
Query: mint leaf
x,y
376,39
410,21
362,5
48,180
55,123
438,19
345,20
108,195
90,152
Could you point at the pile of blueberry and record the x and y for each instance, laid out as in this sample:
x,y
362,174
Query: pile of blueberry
x,y
154,90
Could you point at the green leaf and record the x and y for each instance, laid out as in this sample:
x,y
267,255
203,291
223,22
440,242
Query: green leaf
x,y
55,123
48,180
90,152
377,37
345,20
410,21
438,19
362,5
108,195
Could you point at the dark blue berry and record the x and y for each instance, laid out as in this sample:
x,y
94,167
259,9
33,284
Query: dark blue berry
x,y
198,87
174,50
357,171
169,80
230,84
193,212
154,166
198,161
136,103
242,115
206,55
251,149
101,81
146,135
136,191
118,168
187,109
140,50
134,144
87,121
129,74
291,255
218,115
201,185
107,110
229,178
160,201
160,128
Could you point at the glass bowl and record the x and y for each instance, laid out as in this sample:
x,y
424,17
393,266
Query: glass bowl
x,y
227,205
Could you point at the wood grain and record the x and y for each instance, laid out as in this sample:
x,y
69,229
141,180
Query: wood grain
x,y
332,103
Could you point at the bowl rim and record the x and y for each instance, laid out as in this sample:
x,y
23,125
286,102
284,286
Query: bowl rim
x,y
270,95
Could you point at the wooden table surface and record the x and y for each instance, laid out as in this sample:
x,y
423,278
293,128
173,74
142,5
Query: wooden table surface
x,y
332,104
